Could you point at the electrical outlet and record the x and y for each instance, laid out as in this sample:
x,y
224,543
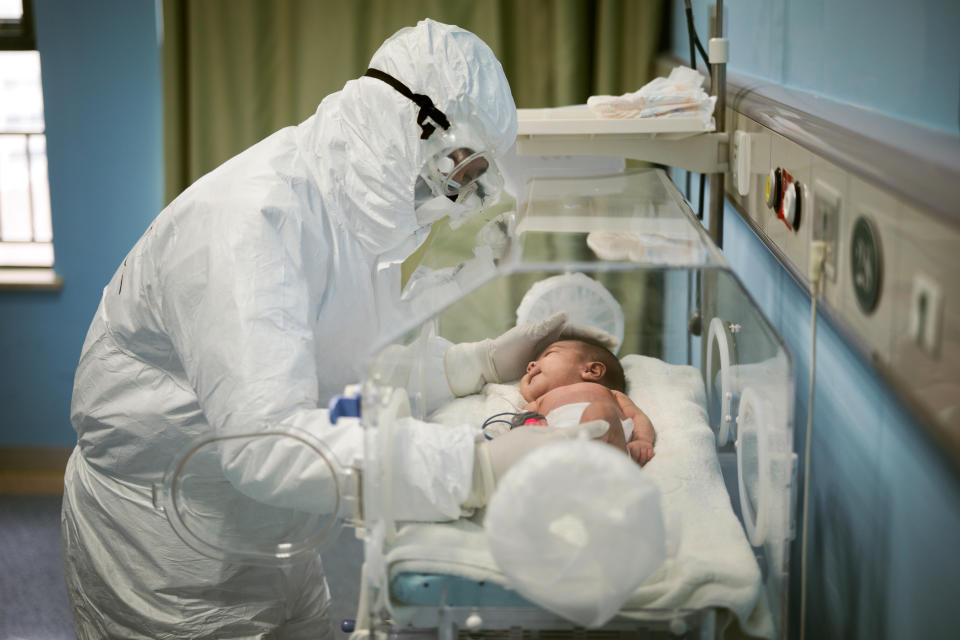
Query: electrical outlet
x,y
826,223
926,309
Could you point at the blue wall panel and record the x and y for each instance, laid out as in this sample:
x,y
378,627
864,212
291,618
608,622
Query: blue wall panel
x,y
100,64
885,501
898,58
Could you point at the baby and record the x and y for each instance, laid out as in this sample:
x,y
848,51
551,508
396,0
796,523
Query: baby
x,y
576,381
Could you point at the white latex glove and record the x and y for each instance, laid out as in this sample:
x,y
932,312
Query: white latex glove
x,y
493,458
470,365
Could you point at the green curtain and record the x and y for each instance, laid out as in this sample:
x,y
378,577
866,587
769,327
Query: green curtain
x,y
235,71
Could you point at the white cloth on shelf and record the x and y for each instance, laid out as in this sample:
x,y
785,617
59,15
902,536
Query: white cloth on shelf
x,y
679,94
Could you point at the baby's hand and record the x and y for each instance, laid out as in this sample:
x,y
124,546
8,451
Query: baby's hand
x,y
641,451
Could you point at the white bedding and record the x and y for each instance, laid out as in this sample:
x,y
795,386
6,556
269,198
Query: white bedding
x,y
710,562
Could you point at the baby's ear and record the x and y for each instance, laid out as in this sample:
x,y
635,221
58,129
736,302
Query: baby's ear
x,y
593,371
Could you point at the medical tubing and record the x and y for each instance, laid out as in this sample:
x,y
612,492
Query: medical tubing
x,y
427,108
517,419
694,43
703,180
694,38
817,262
526,417
498,418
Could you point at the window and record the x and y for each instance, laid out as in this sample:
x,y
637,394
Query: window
x,y
26,232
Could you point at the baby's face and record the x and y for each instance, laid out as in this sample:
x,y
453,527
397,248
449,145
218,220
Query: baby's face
x,y
559,364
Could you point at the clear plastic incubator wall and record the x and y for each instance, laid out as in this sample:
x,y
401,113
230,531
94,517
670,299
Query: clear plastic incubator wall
x,y
695,544
577,537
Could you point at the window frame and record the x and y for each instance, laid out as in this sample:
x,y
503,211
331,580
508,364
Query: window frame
x,y
20,35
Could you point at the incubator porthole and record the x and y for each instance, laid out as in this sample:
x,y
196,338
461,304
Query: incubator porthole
x,y
719,401
753,420
208,511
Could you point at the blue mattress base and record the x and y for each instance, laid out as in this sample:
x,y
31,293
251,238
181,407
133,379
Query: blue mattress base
x,y
431,589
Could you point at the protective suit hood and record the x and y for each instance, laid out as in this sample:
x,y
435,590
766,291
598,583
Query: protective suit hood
x,y
371,152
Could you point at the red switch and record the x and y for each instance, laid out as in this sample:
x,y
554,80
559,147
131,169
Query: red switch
x,y
791,204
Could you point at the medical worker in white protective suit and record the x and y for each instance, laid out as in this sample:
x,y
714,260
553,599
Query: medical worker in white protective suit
x,y
247,304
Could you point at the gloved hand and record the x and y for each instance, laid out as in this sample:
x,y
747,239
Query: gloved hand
x,y
493,458
470,365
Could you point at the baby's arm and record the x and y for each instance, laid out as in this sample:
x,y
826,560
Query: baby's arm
x,y
643,436
601,406
606,411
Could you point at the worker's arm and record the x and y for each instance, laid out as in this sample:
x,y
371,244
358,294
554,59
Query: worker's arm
x,y
240,313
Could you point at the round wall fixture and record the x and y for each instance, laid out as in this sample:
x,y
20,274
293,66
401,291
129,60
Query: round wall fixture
x,y
792,205
866,264
720,334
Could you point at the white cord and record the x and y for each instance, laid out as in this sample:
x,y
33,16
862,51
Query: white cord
x,y
818,254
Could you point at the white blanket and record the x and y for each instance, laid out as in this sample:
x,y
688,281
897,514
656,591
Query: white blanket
x,y
710,563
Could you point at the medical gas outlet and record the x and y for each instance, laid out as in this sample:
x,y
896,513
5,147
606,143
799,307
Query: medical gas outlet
x,y
784,195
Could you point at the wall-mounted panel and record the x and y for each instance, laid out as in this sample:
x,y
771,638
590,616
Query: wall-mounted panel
x,y
891,265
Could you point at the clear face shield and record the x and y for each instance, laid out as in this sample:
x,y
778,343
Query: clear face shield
x,y
467,177
459,169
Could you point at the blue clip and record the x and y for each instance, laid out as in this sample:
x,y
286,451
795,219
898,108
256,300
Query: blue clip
x,y
344,406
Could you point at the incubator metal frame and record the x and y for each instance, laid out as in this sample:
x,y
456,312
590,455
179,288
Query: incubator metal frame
x,y
760,435
754,372
755,446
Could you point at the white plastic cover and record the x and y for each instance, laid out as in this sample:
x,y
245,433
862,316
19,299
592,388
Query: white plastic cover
x,y
576,527
586,301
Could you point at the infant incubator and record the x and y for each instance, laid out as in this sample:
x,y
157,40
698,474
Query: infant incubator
x,y
622,253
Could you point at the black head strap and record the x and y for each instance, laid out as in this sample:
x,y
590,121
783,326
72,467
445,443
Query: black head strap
x,y
427,108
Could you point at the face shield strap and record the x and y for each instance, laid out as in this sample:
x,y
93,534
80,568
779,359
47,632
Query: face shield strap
x,y
427,108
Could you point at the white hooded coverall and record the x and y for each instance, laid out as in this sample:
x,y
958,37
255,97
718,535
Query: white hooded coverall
x,y
245,306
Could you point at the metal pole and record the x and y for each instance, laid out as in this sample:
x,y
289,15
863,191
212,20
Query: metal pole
x,y
718,85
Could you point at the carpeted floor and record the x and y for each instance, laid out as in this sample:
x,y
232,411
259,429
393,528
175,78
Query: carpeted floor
x,y
33,598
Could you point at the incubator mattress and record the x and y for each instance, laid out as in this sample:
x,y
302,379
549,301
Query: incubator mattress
x,y
709,564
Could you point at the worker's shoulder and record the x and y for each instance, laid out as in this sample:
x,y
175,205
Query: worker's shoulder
x,y
263,180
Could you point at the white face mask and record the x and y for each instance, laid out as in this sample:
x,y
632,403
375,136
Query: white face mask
x,y
434,209
430,207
